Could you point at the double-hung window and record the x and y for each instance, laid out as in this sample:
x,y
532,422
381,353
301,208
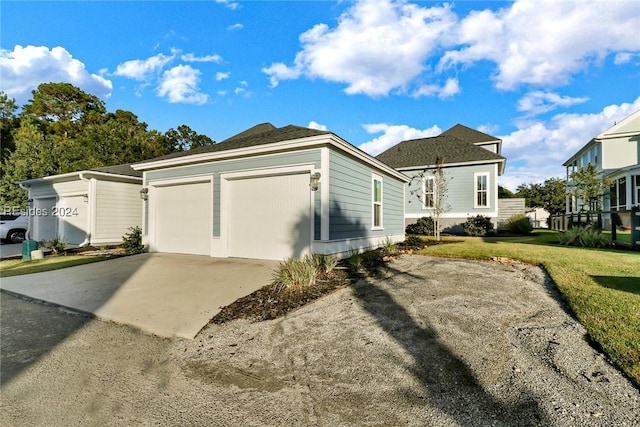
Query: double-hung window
x,y
428,189
376,187
481,190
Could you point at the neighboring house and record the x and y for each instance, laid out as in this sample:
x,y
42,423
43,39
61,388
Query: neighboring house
x,y
539,217
471,161
90,207
271,193
616,154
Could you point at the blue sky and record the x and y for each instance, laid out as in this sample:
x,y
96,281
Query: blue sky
x,y
545,76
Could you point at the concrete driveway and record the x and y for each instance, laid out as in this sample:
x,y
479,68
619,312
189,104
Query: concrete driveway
x,y
168,295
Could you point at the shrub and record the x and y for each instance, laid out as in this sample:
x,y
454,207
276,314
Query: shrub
x,y
389,247
422,226
414,241
519,224
593,238
56,245
584,236
294,274
324,263
132,241
355,259
478,225
571,236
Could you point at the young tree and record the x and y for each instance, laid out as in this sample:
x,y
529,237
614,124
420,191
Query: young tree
x,y
588,187
432,191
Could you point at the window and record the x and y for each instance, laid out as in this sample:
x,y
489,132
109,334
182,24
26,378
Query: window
x,y
635,194
428,190
377,201
618,194
482,190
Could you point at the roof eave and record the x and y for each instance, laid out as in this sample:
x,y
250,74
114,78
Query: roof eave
x,y
87,173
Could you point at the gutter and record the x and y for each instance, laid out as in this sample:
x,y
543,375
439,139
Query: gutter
x,y
87,234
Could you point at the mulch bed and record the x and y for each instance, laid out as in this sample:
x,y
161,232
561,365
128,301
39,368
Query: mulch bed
x,y
269,302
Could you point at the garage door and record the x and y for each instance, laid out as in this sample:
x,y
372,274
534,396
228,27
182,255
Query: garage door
x,y
182,218
72,213
269,217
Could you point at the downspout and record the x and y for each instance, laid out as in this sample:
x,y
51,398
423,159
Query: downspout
x,y
87,234
27,235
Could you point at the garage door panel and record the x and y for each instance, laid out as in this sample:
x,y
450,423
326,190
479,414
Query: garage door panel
x,y
269,217
183,218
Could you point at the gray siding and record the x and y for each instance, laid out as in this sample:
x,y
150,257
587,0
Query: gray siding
x,y
461,191
350,200
215,168
118,207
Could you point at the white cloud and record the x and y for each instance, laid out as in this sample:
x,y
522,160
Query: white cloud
x,y
222,76
235,27
450,88
180,85
377,47
143,69
539,102
24,68
229,4
625,57
380,47
242,89
190,57
544,42
393,134
316,125
536,150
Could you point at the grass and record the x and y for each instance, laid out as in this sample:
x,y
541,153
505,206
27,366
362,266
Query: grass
x,y
601,286
10,268
621,236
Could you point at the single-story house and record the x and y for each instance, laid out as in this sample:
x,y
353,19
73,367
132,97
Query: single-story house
x,y
86,208
271,193
471,162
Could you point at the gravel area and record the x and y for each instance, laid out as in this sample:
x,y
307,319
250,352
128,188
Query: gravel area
x,y
435,342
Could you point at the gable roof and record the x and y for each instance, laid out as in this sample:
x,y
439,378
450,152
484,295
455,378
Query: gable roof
x,y
627,127
262,134
266,138
425,152
470,135
123,173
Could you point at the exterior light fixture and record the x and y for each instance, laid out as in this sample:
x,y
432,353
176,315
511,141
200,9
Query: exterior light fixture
x,y
315,181
144,193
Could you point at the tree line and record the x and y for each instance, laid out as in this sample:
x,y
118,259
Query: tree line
x,y
63,129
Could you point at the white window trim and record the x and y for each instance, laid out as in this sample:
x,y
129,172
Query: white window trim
x,y
424,192
375,178
476,191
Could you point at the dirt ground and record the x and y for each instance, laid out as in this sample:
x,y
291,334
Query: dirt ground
x,y
435,342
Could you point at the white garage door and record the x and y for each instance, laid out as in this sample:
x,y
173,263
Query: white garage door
x,y
183,217
269,217
72,213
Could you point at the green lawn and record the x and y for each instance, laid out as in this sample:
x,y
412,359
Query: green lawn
x,y
10,268
602,287
621,236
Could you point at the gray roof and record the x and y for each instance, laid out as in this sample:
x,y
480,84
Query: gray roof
x,y
426,152
264,133
125,170
467,134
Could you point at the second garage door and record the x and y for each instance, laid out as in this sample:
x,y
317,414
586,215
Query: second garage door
x,y
269,217
183,218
